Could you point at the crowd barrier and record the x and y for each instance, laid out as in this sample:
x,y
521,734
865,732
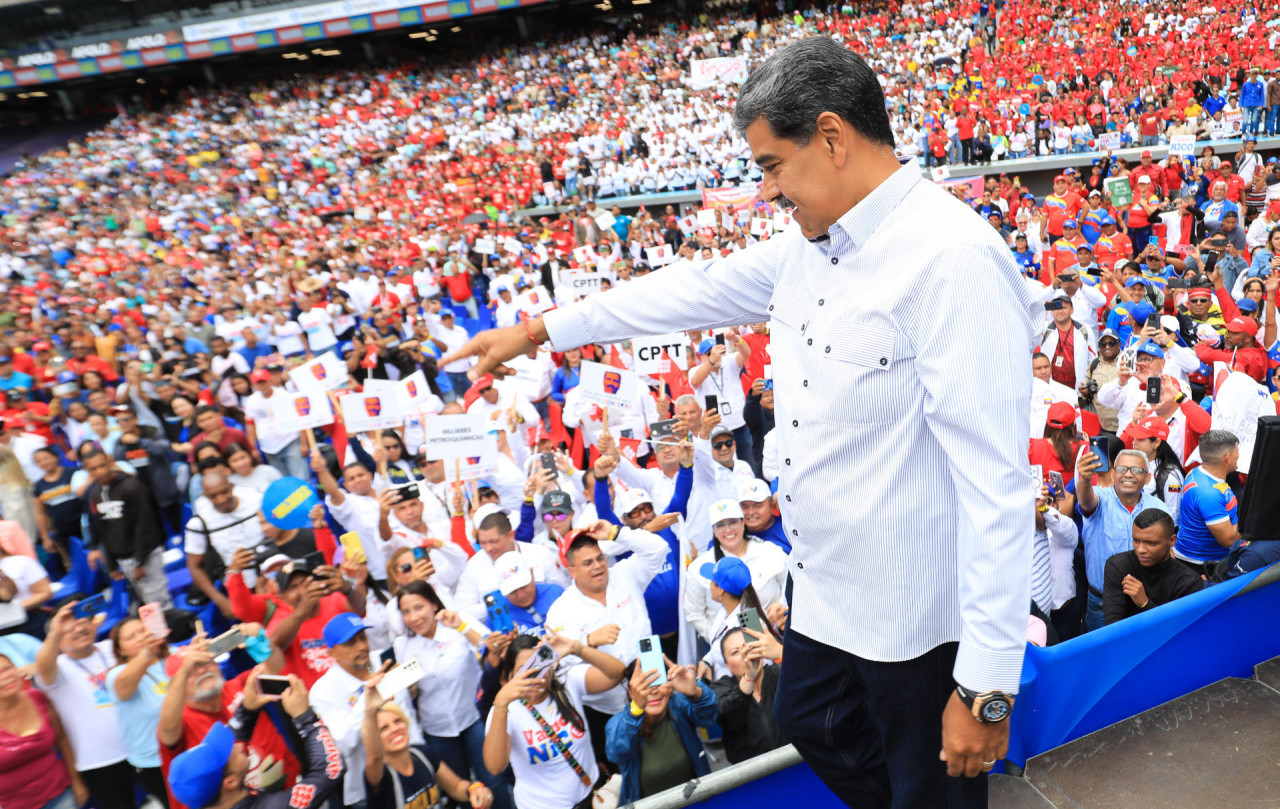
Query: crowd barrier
x,y
1068,690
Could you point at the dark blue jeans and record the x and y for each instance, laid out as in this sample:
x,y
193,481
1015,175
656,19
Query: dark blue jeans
x,y
465,755
870,730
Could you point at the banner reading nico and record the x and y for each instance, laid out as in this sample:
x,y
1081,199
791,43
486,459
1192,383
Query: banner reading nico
x,y
707,73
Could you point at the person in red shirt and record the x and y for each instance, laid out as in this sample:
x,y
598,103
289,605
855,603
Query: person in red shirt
x,y
1061,205
198,697
1235,183
456,279
33,416
1149,126
1146,168
758,341
40,372
1063,253
82,359
1241,352
937,148
294,604
209,422
1111,245
964,131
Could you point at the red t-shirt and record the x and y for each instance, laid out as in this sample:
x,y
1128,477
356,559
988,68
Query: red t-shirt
x,y
308,656
964,127
230,435
759,358
266,740
459,286
1149,124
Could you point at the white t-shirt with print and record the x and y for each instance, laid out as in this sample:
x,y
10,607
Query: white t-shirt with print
x,y
88,711
287,338
319,328
543,778
25,572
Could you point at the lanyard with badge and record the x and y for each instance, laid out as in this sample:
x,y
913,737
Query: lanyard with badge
x,y
724,408
101,696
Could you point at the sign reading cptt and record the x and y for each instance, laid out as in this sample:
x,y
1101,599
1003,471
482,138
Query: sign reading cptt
x,y
648,353
581,283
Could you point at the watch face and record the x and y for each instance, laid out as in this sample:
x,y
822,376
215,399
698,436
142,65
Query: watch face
x,y
995,709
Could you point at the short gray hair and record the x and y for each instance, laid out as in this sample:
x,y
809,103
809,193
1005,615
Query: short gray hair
x,y
807,78
686,399
1215,444
1135,453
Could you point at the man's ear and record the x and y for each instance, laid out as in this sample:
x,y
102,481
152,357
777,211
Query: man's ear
x,y
833,137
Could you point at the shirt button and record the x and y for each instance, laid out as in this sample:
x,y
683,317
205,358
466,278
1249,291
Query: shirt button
x,y
810,341
770,307
829,350
788,498
806,383
795,533
884,360
788,462
835,260
795,423
821,301
800,565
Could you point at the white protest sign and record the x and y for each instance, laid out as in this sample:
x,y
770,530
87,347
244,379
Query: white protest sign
x,y
706,218
486,246
605,220
781,220
549,189
512,246
660,255
392,391
688,225
727,220
459,436
325,372
414,391
608,386
295,412
474,467
535,300
743,216
706,73
939,173
648,353
584,254
1108,140
581,283
1182,145
366,412
363,214
760,226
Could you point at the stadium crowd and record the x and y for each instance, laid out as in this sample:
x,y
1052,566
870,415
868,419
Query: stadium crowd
x,y
225,405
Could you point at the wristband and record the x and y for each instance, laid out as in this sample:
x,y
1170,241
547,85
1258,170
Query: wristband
x,y
613,534
462,627
529,333
473,786
1042,509
636,710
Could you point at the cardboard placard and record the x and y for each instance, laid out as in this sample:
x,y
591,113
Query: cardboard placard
x,y
781,220
581,283
1120,190
295,412
760,226
660,255
366,412
608,386
325,372
486,246
414,390
605,220
707,218
649,353
458,436
1183,146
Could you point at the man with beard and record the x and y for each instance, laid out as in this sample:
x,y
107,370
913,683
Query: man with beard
x,y
198,697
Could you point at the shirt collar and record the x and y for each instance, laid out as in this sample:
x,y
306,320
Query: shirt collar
x,y
861,220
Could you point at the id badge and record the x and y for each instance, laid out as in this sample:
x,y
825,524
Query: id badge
x,y
1057,362
727,409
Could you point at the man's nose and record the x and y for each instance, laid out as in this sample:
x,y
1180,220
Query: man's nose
x,y
768,190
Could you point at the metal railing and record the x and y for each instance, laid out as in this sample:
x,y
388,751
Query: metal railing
x,y
708,786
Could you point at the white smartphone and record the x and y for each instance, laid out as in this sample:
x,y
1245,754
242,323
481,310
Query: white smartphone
x,y
152,617
400,678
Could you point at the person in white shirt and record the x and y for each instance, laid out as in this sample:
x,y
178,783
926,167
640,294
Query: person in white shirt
x,y
1129,389
225,519
449,337
605,606
222,363
496,406
411,531
338,698
288,336
495,536
535,372
537,706
358,508
445,646
766,561
280,448
72,671
720,375
317,326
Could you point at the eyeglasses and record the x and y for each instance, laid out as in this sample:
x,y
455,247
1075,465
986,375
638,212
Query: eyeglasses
x,y
1108,343
554,517
722,444
1131,470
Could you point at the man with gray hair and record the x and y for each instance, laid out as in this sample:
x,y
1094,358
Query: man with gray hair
x,y
1207,512
925,418
1108,507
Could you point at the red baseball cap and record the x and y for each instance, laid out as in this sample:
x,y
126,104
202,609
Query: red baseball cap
x,y
1061,415
1146,153
1152,426
41,346
1201,291
260,375
1061,178
473,392
1245,325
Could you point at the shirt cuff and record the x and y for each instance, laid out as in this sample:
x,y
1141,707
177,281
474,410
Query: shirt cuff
x,y
981,670
566,328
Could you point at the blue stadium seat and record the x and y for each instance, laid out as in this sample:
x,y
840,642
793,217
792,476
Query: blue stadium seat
x,y
486,318
78,583
472,325
117,607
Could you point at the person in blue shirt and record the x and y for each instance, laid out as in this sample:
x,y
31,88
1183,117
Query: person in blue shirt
x,y
1108,508
1024,256
11,379
1207,512
636,507
1128,317
757,511
566,378
525,600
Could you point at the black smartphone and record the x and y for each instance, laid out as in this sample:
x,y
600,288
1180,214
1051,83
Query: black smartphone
x,y
548,462
1053,306
1154,385
1099,447
712,402
406,491
388,655
1153,321
90,606
313,560
627,433
719,339
271,685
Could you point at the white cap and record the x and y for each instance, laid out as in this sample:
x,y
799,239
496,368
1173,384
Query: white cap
x,y
632,499
487,510
513,572
273,562
1145,179
1170,323
753,491
725,510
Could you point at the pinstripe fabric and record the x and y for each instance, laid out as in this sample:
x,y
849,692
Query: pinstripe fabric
x,y
901,364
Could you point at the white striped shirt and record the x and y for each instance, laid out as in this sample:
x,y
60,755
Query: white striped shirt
x,y
901,363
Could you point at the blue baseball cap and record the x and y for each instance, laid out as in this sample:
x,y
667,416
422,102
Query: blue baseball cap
x,y
1070,223
1248,138
730,574
345,348
195,776
342,628
1140,311
1247,305
705,346
1151,349
1135,281
1106,220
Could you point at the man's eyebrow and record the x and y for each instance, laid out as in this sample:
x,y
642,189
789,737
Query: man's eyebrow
x,y
764,158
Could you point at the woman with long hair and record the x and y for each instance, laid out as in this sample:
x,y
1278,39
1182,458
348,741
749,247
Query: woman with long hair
x,y
1150,437
446,647
730,588
766,561
1057,451
139,683
37,765
246,471
543,702
567,375
661,722
16,502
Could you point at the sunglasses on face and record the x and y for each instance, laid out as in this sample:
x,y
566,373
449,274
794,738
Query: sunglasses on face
x,y
554,517
722,444
406,567
1198,300
1108,343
